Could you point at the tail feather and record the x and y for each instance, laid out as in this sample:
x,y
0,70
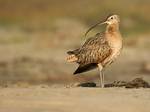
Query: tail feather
x,y
70,52
85,68
72,58
76,51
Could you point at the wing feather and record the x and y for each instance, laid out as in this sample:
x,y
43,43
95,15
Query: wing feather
x,y
94,50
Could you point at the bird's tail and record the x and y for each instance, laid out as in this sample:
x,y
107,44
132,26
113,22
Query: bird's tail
x,y
71,57
85,68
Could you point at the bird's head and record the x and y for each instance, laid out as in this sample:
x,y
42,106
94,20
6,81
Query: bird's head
x,y
110,20
113,19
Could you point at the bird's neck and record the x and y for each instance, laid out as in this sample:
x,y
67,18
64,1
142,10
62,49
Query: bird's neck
x,y
112,28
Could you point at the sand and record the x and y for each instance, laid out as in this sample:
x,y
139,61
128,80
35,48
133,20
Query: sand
x,y
76,99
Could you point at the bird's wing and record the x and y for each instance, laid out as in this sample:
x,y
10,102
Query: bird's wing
x,y
76,51
95,50
85,68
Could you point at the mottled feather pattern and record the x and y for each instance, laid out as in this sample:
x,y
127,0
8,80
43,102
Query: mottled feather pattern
x,y
94,50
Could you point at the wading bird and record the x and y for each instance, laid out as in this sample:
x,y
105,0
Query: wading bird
x,y
100,50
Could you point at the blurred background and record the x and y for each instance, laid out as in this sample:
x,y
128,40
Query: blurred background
x,y
36,34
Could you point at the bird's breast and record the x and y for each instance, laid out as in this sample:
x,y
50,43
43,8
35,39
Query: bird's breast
x,y
116,47
115,43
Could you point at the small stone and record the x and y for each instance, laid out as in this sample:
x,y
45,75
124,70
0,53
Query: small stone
x,y
87,84
137,83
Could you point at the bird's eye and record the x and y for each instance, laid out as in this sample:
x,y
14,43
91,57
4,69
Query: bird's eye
x,y
111,18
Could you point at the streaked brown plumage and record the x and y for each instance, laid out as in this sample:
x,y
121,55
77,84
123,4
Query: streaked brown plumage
x,y
99,50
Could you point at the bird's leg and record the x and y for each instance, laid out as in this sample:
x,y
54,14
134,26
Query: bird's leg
x,y
103,81
101,75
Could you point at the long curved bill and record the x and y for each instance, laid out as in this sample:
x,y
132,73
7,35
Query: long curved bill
x,y
99,23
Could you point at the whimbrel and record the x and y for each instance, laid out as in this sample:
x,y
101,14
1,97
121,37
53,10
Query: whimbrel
x,y
100,50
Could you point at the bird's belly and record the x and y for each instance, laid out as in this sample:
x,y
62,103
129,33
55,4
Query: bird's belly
x,y
115,55
112,57
116,47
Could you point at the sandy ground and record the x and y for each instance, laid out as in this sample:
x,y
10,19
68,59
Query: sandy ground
x,y
61,99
